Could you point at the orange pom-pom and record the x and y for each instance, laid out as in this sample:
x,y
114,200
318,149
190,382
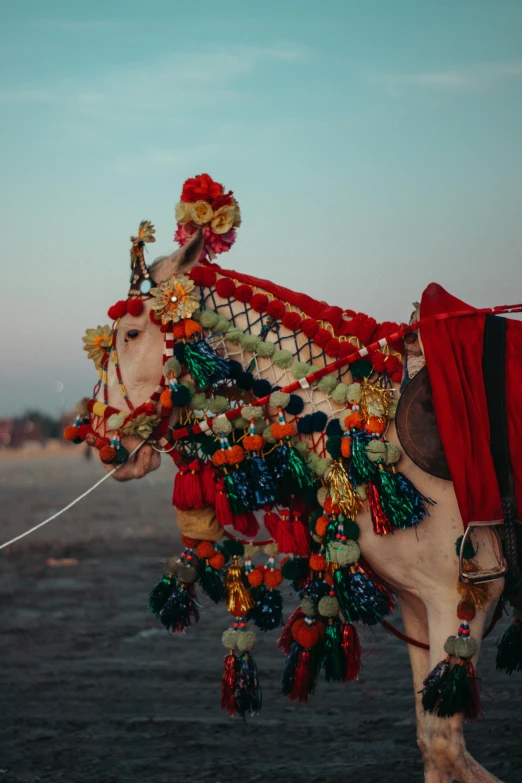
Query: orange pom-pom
x,y
353,421
255,578
190,543
296,627
179,330
328,503
234,455
166,399
107,454
309,636
375,425
206,549
317,562
280,431
218,561
321,525
70,432
219,458
346,447
253,442
191,327
273,577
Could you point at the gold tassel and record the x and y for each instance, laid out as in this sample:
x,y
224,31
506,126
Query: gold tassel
x,y
375,401
239,600
342,491
478,595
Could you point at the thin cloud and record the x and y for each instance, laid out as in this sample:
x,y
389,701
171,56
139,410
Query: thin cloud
x,y
477,77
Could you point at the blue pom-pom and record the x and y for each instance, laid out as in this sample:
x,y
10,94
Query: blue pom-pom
x,y
306,425
180,396
179,351
261,387
245,380
319,419
334,427
295,406
235,368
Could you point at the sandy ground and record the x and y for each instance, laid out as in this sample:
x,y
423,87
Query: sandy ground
x,y
93,689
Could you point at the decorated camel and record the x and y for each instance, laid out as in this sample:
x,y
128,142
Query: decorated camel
x,y
323,426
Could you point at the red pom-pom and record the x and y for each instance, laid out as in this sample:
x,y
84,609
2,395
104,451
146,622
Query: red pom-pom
x,y
385,330
321,337
255,578
466,611
217,562
118,310
244,293
345,349
101,442
397,375
378,361
83,430
206,549
107,454
310,327
190,543
71,433
273,577
393,363
197,275
225,287
275,308
292,321
152,316
135,307
259,302
332,347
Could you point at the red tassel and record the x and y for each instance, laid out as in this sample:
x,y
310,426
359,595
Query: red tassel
x,y
223,511
303,675
286,639
240,523
381,523
351,652
475,693
187,493
228,684
271,521
283,534
252,527
208,485
302,542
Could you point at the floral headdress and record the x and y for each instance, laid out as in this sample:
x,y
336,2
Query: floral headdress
x,y
205,204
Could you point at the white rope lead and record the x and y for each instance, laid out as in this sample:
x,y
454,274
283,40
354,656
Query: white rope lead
x,y
73,503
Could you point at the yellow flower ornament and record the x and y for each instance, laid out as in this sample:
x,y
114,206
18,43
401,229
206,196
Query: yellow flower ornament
x,y
172,300
97,341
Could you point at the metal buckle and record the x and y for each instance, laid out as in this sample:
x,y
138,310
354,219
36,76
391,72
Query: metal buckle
x,y
488,574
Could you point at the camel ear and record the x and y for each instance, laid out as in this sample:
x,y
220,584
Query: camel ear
x,y
181,261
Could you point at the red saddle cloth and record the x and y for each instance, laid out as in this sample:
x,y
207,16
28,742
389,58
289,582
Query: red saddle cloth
x,y
453,348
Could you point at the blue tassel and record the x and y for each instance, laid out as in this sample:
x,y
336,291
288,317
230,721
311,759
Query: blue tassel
x,y
360,599
263,491
204,364
267,614
418,500
247,691
180,610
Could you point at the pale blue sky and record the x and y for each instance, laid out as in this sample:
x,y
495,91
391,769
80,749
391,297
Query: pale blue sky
x,y
374,146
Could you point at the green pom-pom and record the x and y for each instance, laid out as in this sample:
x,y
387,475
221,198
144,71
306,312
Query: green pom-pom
x,y
222,325
208,319
207,446
333,446
469,551
199,402
327,384
218,405
283,359
265,349
361,369
323,466
351,529
301,370
234,335
232,548
295,569
339,393
249,342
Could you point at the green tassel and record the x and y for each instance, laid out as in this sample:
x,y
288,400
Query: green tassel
x,y
212,583
161,592
509,653
204,364
343,595
460,693
398,508
232,495
332,654
469,551
365,469
299,470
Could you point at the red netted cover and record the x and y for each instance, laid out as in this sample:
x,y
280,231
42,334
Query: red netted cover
x,y
453,349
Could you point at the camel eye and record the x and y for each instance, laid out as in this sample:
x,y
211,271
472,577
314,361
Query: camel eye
x,y
133,333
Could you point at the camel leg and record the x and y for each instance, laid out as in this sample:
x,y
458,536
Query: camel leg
x,y
444,737
415,621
